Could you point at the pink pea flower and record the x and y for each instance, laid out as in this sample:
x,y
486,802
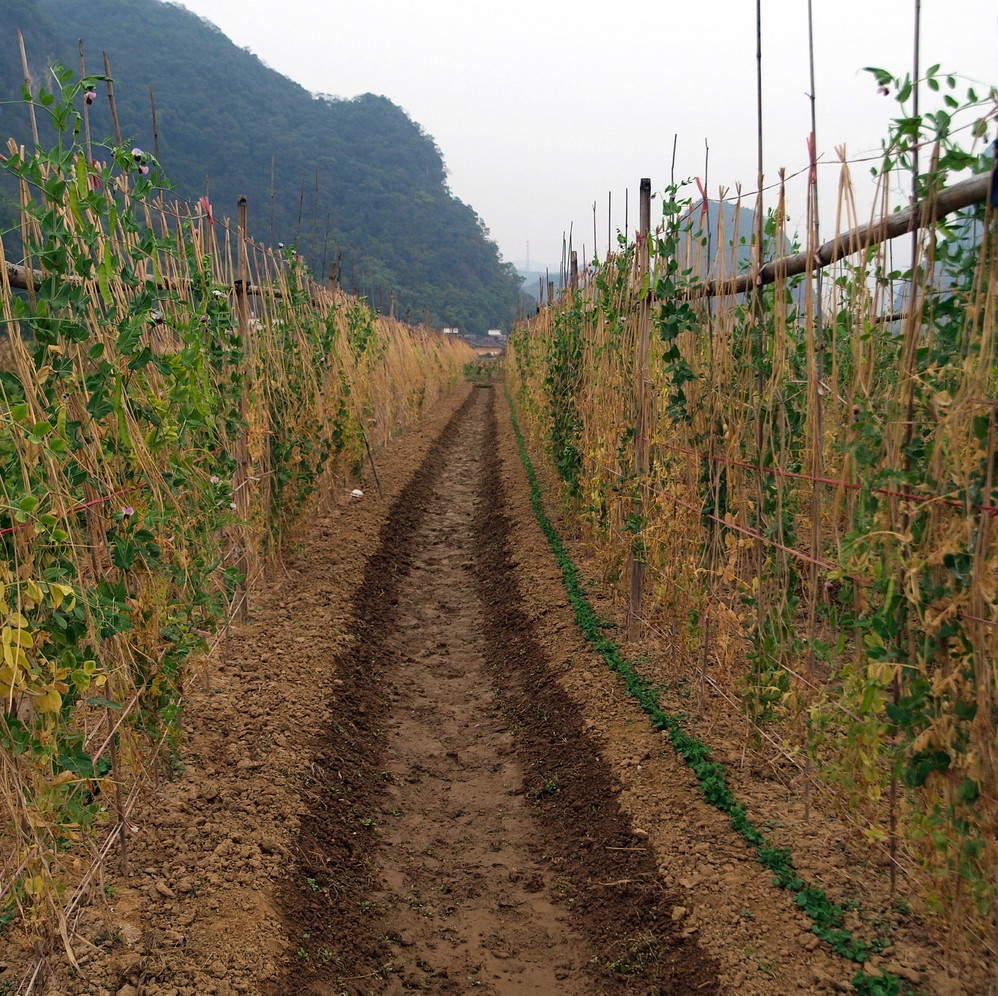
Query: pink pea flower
x,y
127,512
90,96
144,169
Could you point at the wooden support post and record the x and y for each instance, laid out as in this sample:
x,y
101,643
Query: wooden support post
x,y
241,482
640,407
550,293
574,274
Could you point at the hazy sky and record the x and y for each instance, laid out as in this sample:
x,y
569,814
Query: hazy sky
x,y
540,109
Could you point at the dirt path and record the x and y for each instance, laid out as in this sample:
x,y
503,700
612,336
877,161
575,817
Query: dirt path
x,y
460,866
492,863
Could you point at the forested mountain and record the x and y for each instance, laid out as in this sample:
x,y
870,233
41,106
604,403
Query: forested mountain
x,y
225,121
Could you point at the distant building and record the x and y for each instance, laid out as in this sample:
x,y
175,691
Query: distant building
x,y
495,332
451,331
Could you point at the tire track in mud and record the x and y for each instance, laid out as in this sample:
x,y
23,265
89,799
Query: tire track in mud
x,y
463,832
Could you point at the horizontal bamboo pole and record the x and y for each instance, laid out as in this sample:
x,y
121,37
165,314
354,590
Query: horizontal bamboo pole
x,y
25,279
921,215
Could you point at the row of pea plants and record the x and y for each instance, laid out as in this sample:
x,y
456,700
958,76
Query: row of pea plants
x,y
817,524
155,445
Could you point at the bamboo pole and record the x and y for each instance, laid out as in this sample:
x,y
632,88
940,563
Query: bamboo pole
x,y
816,357
27,85
241,477
110,100
640,404
155,124
273,177
889,226
86,107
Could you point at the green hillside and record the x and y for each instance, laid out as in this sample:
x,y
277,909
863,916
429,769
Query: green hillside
x,y
225,121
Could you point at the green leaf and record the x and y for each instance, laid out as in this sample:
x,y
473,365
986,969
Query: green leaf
x,y
104,272
98,703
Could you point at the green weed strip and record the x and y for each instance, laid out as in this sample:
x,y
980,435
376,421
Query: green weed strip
x,y
827,917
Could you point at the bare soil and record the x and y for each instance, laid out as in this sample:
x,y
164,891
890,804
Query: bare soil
x,y
410,773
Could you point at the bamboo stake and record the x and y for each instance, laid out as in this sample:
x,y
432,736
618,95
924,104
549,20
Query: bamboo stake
x,y
110,100
757,338
241,477
86,108
609,220
595,243
273,177
301,208
640,405
27,85
315,218
815,338
155,124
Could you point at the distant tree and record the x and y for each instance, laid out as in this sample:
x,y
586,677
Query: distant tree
x,y
223,117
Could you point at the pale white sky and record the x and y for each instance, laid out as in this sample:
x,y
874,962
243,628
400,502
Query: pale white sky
x,y
540,109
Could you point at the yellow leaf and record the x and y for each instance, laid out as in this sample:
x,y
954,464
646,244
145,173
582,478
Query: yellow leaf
x,y
16,619
34,592
51,701
59,592
14,656
34,885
